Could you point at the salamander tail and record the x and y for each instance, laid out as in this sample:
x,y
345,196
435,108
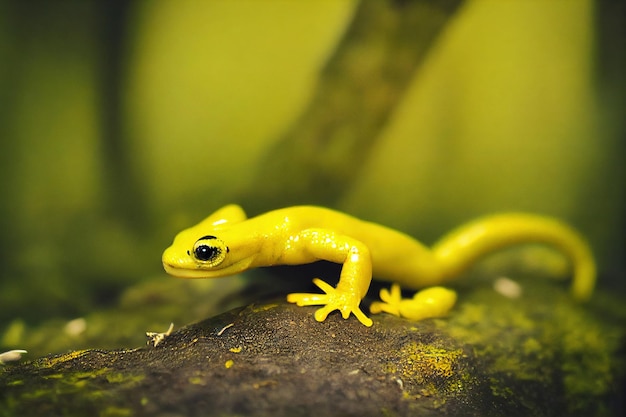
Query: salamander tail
x,y
458,250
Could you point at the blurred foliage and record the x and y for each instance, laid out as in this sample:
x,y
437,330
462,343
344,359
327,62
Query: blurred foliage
x,y
123,122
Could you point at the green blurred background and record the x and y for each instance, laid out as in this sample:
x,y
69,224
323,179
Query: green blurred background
x,y
122,122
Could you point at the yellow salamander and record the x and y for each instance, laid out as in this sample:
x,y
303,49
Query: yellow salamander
x,y
227,242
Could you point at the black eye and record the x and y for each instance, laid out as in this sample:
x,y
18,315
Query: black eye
x,y
209,251
205,252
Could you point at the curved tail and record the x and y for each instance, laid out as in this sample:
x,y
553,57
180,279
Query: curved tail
x,y
462,247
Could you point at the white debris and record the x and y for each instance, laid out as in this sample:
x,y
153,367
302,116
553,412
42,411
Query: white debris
x,y
507,287
157,338
75,327
11,356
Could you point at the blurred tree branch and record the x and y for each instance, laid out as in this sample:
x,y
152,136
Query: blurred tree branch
x,y
362,83
123,188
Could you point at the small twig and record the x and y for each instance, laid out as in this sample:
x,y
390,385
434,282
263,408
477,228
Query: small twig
x,y
157,338
224,328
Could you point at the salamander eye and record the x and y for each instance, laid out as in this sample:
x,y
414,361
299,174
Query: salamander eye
x,y
210,250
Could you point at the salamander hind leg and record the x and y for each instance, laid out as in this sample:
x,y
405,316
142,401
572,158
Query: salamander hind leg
x,y
391,300
427,303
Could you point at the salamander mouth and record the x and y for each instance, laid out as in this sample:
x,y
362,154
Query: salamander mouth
x,y
198,272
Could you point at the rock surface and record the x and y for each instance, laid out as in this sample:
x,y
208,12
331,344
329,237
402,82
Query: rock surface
x,y
539,355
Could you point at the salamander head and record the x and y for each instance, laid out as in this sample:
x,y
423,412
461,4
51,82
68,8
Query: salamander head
x,y
197,255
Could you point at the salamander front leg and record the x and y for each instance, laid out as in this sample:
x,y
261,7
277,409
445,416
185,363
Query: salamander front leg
x,y
356,275
332,299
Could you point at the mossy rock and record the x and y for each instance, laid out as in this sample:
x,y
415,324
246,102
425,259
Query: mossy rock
x,y
537,355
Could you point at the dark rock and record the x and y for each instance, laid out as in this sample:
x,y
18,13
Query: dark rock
x,y
540,355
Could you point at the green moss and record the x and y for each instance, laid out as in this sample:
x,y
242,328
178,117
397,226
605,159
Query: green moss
x,y
15,382
531,346
263,307
50,362
426,370
53,376
197,380
91,386
116,412
120,378
588,365
425,361
542,339
497,390
38,394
